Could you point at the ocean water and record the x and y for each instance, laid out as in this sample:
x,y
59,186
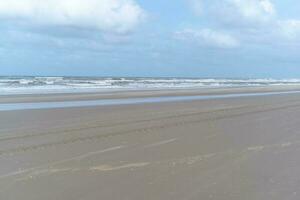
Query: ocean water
x,y
40,85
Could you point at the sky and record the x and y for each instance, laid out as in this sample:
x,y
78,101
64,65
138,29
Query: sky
x,y
178,38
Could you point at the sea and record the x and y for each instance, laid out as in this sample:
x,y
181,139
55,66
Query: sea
x,y
10,85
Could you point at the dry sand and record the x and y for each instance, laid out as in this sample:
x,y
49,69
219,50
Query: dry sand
x,y
227,149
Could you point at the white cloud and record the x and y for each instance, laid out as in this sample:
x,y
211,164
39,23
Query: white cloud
x,y
252,10
248,20
236,12
208,37
197,6
117,16
289,29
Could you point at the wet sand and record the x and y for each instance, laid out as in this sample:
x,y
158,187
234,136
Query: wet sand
x,y
235,148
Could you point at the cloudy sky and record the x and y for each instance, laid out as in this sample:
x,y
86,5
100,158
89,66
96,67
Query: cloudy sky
x,y
195,38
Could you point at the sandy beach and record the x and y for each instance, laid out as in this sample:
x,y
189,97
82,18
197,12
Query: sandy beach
x,y
221,149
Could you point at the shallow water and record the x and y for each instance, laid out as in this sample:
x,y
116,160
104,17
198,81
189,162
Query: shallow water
x,y
130,101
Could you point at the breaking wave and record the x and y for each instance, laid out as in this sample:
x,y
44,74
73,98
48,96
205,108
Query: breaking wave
x,y
29,85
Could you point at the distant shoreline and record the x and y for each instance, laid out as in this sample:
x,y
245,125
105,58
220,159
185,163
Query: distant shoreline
x,y
132,101
142,93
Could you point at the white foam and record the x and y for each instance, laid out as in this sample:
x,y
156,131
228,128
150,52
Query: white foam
x,y
40,85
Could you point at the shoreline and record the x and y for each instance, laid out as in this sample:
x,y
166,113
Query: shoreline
x,y
58,97
133,101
